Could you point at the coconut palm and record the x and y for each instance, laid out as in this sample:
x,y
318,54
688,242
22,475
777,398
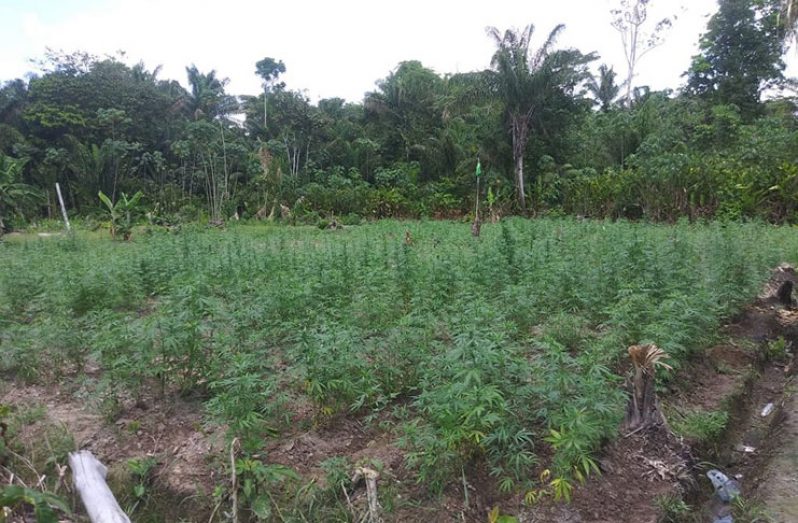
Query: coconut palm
x,y
207,97
604,88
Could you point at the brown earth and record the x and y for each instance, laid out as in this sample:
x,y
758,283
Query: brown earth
x,y
170,432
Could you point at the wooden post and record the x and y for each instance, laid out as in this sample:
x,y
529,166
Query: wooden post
x,y
63,208
477,207
477,225
88,475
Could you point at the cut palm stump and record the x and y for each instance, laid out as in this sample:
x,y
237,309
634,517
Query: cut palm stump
x,y
643,409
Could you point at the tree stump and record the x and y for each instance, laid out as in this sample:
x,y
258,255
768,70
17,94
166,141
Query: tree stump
x,y
784,294
643,408
476,227
370,476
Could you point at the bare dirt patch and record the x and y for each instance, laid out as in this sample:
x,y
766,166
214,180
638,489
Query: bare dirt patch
x,y
171,433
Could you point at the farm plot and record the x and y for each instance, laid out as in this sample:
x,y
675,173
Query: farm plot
x,y
435,358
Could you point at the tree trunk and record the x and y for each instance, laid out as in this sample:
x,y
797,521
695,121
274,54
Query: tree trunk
x,y
265,111
225,194
519,181
370,476
519,130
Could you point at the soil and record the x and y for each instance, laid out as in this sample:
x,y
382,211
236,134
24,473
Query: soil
x,y
635,470
172,433
779,477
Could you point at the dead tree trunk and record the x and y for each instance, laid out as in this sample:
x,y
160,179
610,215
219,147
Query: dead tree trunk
x,y
784,294
643,408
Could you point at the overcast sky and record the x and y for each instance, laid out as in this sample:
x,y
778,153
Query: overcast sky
x,y
330,48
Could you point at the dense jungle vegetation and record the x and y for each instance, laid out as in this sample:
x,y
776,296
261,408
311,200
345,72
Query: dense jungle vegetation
x,y
554,131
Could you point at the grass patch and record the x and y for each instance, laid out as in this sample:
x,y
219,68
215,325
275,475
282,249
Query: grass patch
x,y
700,426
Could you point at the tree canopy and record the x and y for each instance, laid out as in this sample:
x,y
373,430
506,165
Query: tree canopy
x,y
551,127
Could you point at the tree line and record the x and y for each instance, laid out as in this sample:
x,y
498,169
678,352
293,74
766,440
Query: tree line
x,y
551,136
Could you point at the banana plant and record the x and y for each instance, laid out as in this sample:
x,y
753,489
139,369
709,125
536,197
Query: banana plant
x,y
14,195
122,213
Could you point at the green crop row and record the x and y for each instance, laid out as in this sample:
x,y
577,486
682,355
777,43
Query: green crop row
x,y
505,351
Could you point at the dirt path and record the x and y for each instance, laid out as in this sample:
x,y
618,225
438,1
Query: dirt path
x,y
779,486
739,376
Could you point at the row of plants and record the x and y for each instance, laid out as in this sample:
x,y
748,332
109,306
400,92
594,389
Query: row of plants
x,y
504,351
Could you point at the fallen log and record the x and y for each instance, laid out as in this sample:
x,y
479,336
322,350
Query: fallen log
x,y
88,475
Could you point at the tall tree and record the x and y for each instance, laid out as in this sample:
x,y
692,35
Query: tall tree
x,y
405,115
269,70
629,20
740,55
293,124
527,82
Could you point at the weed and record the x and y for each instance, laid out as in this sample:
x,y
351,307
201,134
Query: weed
x,y
141,471
702,426
672,509
134,426
337,472
257,480
45,505
776,350
495,516
750,511
30,414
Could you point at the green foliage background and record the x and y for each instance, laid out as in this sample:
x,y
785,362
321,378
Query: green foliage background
x,y
715,148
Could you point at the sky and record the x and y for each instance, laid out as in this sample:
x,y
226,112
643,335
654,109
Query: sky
x,y
331,48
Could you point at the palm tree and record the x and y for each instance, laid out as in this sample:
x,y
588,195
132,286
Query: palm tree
x,y
527,82
207,97
14,196
141,74
604,88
